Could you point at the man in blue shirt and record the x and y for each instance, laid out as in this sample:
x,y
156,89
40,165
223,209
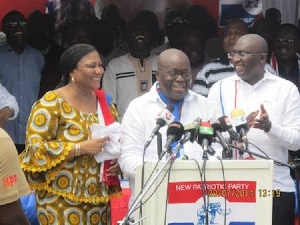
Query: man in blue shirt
x,y
20,73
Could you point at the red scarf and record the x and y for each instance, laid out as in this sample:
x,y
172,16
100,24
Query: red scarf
x,y
108,119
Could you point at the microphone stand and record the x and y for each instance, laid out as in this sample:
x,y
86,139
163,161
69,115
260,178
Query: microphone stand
x,y
145,189
159,144
263,157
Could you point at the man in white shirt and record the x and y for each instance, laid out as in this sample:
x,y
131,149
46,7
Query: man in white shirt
x,y
174,80
133,74
276,128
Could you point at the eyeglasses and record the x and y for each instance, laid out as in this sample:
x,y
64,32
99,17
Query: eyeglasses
x,y
243,55
15,24
174,73
287,41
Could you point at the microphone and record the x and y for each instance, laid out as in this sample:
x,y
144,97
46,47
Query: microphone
x,y
227,127
217,128
191,130
174,133
240,123
205,137
165,117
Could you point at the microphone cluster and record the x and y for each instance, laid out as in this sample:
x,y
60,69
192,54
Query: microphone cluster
x,y
203,132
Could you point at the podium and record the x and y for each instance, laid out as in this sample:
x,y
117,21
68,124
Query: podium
x,y
236,192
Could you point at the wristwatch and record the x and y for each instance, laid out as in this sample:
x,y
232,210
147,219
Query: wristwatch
x,y
12,110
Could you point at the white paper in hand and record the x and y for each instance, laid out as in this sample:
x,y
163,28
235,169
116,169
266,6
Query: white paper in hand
x,y
113,147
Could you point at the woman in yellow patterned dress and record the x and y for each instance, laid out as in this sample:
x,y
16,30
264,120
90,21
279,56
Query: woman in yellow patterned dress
x,y
59,156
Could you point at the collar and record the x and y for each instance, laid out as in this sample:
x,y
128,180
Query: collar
x,y
7,47
137,59
267,76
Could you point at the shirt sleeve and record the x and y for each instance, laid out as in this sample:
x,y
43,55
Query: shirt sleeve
x,y
288,132
44,151
6,99
13,184
132,142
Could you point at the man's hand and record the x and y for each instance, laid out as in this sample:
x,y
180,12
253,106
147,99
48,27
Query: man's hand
x,y
251,118
263,122
5,114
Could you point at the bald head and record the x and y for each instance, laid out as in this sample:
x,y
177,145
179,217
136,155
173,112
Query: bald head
x,y
250,57
172,56
255,42
174,74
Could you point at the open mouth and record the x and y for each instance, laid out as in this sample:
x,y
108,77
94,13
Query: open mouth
x,y
140,38
179,87
18,33
283,50
238,68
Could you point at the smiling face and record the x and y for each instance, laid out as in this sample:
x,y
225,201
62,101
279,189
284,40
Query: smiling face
x,y
192,43
174,74
250,68
139,37
88,72
233,31
286,42
15,28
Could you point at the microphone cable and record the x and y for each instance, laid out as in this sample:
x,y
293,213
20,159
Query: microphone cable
x,y
259,149
203,189
144,184
143,203
167,193
225,195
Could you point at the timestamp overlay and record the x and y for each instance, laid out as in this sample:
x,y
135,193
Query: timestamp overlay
x,y
240,196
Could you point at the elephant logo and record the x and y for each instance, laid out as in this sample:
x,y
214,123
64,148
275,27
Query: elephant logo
x,y
213,209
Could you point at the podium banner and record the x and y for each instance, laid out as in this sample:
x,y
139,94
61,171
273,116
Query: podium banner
x,y
187,198
238,191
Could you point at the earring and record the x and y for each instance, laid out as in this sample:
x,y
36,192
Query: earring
x,y
72,79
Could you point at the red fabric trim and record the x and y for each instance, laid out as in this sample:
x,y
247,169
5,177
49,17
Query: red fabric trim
x,y
108,119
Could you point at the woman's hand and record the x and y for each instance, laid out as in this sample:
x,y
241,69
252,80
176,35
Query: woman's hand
x,y
93,146
114,170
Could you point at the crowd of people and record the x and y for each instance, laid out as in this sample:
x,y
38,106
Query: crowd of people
x,y
64,71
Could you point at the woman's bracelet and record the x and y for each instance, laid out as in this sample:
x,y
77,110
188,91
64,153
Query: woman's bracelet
x,y
77,149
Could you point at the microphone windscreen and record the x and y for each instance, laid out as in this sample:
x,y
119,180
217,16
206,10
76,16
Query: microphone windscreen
x,y
176,129
216,125
225,123
239,119
206,128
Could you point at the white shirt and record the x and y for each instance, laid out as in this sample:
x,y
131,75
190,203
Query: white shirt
x,y
281,100
139,121
6,99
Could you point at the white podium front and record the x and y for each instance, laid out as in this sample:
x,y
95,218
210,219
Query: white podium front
x,y
241,194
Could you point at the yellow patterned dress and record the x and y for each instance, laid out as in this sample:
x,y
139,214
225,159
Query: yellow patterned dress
x,y
67,192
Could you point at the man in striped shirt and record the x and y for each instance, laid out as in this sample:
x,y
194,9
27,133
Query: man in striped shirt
x,y
220,68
